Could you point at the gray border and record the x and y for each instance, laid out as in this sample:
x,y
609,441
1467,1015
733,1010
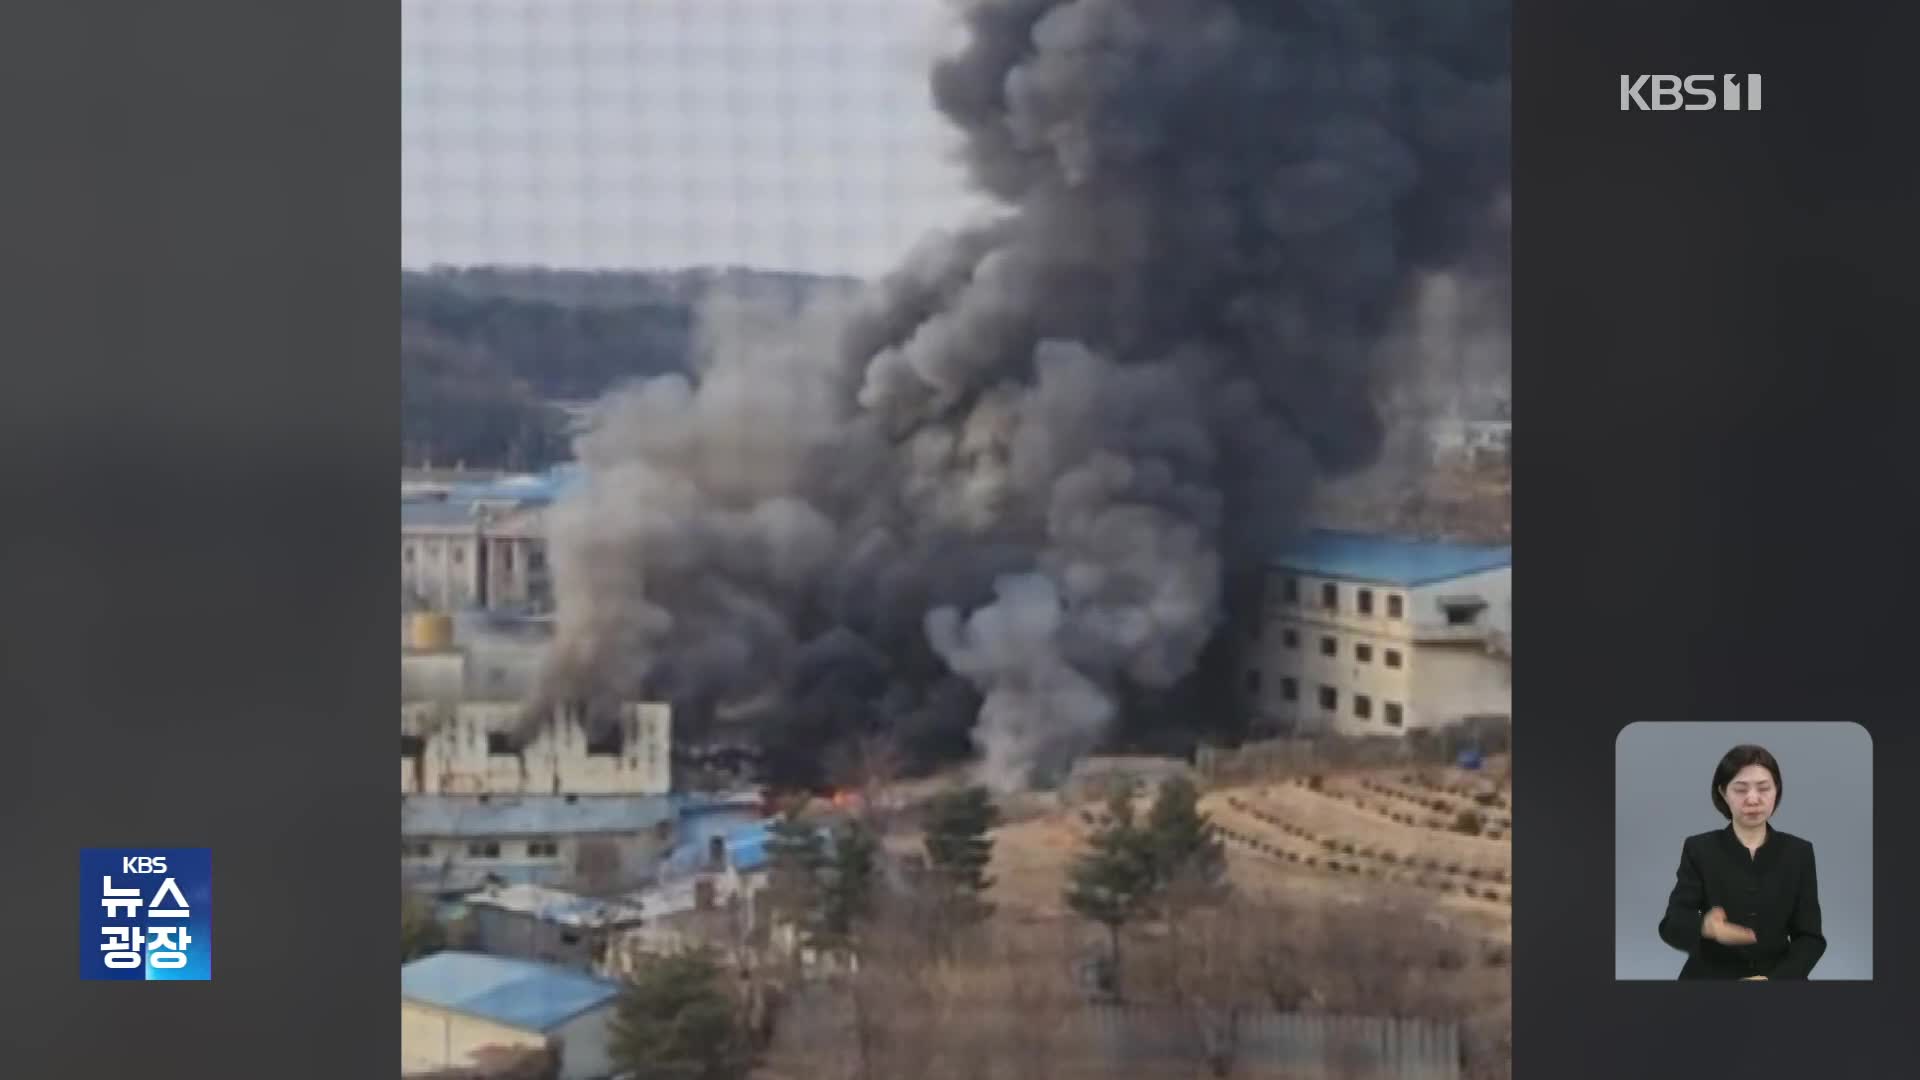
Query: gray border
x,y
196,460
1713,440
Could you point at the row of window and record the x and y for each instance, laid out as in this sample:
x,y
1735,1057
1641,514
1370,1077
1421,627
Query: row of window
x,y
1392,711
482,849
536,559
1330,598
1330,646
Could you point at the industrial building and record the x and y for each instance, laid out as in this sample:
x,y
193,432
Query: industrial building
x,y
1361,634
453,844
549,925
480,545
457,1006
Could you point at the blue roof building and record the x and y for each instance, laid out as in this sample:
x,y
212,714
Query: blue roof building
x,y
455,1006
1386,560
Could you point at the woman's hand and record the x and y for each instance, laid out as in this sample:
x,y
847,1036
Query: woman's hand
x,y
1716,927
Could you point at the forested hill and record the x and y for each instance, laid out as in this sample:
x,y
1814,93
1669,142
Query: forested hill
x,y
483,351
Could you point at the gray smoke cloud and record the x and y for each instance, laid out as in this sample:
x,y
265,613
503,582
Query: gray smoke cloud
x,y
1000,488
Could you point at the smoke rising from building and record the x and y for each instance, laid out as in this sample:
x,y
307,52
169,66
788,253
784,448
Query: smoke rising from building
x,y
994,493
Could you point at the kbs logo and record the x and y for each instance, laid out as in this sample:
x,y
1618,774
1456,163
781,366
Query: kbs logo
x,y
146,914
1694,93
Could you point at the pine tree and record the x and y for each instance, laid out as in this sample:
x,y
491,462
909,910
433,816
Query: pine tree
x,y
796,858
1113,883
848,891
1189,864
958,853
676,1021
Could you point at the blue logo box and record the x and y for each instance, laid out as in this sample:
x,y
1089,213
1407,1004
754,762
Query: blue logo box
x,y
146,914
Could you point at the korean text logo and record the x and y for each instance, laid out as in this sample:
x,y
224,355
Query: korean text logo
x,y
1694,93
146,914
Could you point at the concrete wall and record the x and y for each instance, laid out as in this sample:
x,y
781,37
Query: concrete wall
x,y
457,755
443,863
432,1038
443,566
585,1043
1451,683
1428,615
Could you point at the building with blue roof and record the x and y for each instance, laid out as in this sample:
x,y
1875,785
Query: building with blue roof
x,y
455,1006
1365,634
482,544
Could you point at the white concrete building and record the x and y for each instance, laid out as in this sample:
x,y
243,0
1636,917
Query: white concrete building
x,y
1373,635
454,1006
474,554
552,926
470,748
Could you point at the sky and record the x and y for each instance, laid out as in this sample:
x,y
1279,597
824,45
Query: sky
x,y
780,134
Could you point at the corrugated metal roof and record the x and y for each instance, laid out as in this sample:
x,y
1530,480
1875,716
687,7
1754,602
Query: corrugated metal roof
x,y
517,993
556,906
420,515
1389,560
531,815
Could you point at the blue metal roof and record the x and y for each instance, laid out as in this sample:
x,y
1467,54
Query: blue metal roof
x,y
421,513
1389,560
517,993
531,815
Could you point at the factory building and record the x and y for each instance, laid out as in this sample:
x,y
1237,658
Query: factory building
x,y
478,545
1362,634
458,1008
453,844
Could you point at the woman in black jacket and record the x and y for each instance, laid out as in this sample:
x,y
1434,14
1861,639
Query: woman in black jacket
x,y
1745,902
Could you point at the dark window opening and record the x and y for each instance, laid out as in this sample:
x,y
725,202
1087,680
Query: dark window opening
x,y
1329,698
1393,658
1463,612
1363,653
1329,647
484,849
1396,606
412,746
1289,690
1253,681
543,849
1363,706
1330,596
568,937
1290,639
607,742
717,852
1393,714
1363,601
1290,589
499,743
536,560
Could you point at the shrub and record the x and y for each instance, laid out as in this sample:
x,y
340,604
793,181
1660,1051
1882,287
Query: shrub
x,y
1469,822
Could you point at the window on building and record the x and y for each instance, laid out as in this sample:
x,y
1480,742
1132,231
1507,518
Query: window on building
x,y
1363,652
1253,680
536,559
543,849
1392,657
1363,706
506,556
1396,606
1463,612
606,742
1290,638
484,849
458,554
1290,589
412,745
1329,647
413,849
1394,717
1329,698
499,743
1363,601
1289,690
407,554
1330,596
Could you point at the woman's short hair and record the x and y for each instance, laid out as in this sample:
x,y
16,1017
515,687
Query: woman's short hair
x,y
1739,758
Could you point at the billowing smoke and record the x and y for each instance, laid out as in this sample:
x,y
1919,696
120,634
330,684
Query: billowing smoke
x,y
1002,491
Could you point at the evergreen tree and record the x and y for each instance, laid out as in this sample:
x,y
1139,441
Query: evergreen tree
x,y
796,857
421,934
1189,863
958,853
675,1020
848,891
1113,882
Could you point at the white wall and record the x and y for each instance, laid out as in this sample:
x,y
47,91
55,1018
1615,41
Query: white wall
x,y
1454,682
555,761
584,1045
433,1038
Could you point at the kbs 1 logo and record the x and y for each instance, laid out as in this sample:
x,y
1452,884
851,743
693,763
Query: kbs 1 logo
x,y
146,914
1694,93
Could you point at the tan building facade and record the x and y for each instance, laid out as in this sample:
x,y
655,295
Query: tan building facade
x,y
1371,635
472,748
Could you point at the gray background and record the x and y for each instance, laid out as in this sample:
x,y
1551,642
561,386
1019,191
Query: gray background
x,y
1662,776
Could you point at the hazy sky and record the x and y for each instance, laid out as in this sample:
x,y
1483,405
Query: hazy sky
x,y
794,134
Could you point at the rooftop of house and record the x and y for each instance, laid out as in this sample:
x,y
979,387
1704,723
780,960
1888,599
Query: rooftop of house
x,y
519,994
1387,560
556,906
